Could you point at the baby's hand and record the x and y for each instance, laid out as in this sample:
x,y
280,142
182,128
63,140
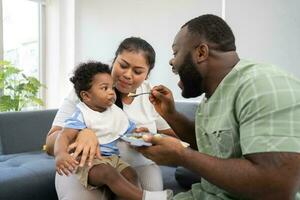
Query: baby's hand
x,y
65,164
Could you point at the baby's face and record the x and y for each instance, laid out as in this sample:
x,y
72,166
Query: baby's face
x,y
102,94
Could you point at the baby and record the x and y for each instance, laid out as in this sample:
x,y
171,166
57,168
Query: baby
x,y
93,85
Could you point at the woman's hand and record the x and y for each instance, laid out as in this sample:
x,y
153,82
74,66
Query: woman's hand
x,y
86,146
162,99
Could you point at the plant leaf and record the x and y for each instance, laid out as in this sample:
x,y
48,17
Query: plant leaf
x,y
37,101
17,89
8,104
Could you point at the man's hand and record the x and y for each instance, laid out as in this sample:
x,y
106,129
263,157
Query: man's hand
x,y
165,150
87,146
65,164
163,101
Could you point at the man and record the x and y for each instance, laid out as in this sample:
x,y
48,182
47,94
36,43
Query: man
x,y
247,128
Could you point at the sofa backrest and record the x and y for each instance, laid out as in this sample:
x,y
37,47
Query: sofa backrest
x,y
187,108
24,131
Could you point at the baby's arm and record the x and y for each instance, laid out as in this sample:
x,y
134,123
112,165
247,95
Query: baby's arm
x,y
65,163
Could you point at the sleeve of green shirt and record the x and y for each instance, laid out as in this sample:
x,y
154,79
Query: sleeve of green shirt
x,y
268,111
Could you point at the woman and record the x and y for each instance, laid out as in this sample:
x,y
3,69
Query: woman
x,y
134,59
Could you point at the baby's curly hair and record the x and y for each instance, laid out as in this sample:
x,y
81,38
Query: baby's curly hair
x,y
84,74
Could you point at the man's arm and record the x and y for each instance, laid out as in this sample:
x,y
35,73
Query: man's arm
x,y
163,102
259,176
183,127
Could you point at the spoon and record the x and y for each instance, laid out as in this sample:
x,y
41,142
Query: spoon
x,y
135,95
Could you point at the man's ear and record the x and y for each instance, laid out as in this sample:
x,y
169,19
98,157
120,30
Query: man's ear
x,y
84,95
202,52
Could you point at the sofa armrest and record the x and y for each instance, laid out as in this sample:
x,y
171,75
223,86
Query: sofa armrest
x,y
24,131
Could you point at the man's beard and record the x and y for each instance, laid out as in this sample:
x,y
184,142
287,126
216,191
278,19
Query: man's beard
x,y
190,78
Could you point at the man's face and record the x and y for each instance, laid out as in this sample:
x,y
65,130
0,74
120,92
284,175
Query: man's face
x,y
183,65
190,78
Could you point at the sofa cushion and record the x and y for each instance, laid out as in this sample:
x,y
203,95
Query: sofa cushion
x,y
24,131
27,176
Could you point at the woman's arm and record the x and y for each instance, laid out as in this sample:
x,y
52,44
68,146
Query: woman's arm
x,y
63,140
65,111
51,137
65,163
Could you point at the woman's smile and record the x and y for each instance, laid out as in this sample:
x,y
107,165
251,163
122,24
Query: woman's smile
x,y
124,84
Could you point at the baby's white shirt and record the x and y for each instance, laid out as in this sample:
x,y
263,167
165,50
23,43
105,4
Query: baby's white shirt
x,y
108,125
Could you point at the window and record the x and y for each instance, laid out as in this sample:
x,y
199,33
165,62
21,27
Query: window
x,y
22,35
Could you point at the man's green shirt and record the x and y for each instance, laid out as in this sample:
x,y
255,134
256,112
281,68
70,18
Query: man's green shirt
x,y
256,108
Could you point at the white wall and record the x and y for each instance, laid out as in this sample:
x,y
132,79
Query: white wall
x,y
265,30
101,25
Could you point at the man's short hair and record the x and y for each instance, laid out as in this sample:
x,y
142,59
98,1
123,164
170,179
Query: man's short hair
x,y
214,30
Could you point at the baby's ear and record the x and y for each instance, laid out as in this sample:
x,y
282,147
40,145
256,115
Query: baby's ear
x,y
84,95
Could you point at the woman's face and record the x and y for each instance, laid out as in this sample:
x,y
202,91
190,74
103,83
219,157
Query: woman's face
x,y
129,71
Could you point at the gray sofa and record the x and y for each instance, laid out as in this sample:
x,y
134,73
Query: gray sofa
x,y
26,172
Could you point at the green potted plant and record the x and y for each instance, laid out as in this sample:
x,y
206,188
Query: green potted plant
x,y
16,89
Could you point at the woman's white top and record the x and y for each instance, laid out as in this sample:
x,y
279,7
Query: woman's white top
x,y
140,111
143,113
